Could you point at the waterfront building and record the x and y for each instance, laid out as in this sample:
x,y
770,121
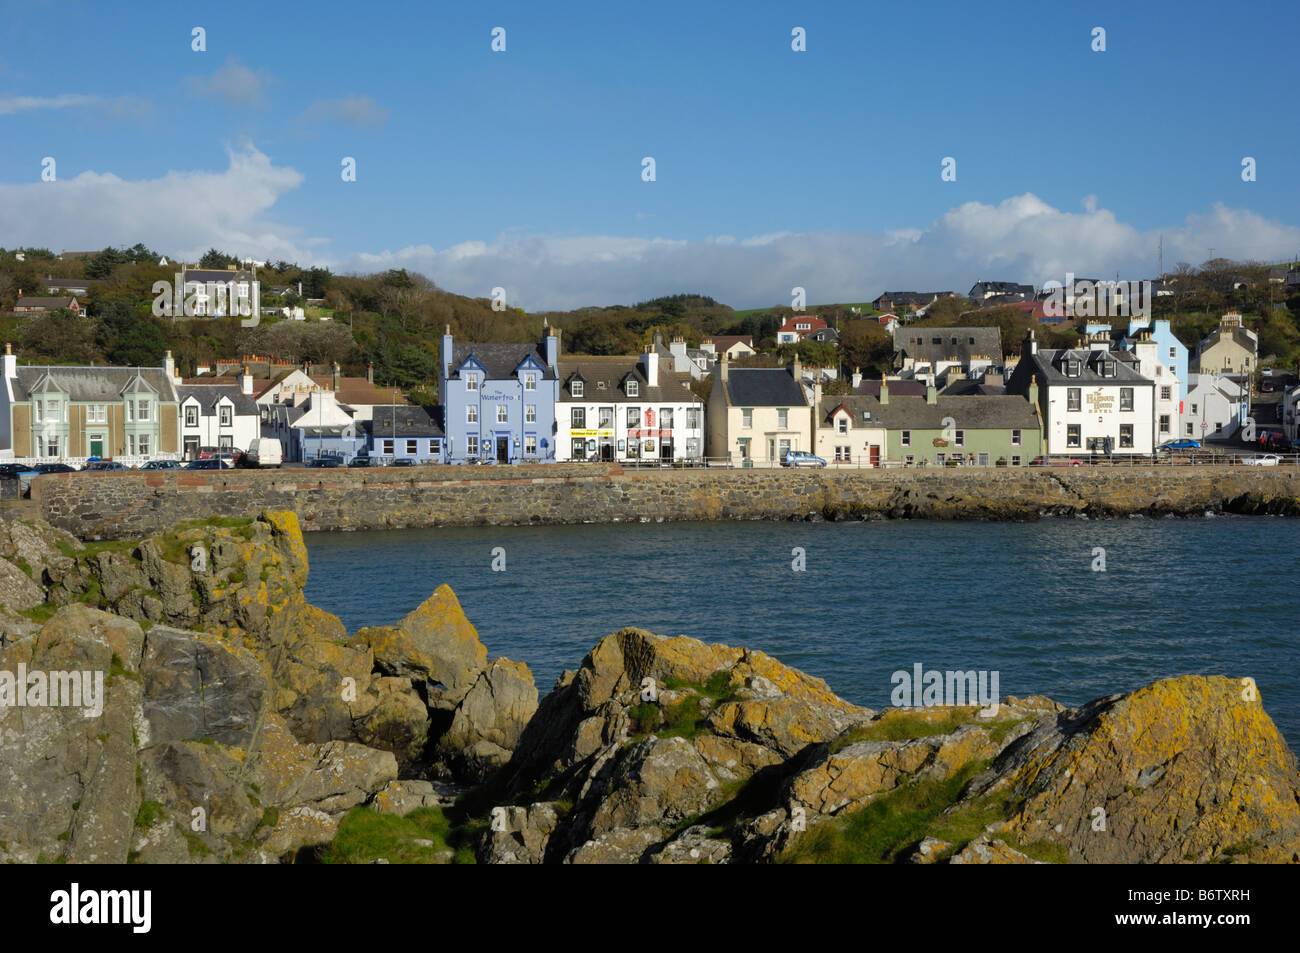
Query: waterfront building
x,y
406,432
1216,407
499,400
926,353
1092,400
627,409
318,426
756,414
1228,349
72,413
218,415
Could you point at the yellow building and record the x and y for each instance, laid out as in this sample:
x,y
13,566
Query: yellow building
x,y
756,414
1228,349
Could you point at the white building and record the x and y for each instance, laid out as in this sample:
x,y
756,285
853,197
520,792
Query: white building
x,y
626,409
1167,397
218,415
1216,407
1092,401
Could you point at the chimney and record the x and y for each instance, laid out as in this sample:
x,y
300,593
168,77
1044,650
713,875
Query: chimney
x,y
722,369
1032,393
650,364
884,391
169,366
444,356
931,395
334,378
796,369
1031,343
370,374
551,347
246,383
857,378
11,363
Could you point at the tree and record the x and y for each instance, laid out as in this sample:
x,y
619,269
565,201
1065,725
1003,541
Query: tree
x,y
215,259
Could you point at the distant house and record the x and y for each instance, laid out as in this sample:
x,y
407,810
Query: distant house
x,y
215,290
1293,280
925,353
71,286
909,301
319,426
1229,349
407,432
756,414
677,357
797,327
827,335
37,305
71,413
1277,276
1005,291
1215,408
731,346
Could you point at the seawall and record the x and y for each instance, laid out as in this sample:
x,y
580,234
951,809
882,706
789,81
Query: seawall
x,y
119,505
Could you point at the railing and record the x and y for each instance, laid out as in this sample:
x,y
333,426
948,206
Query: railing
x,y
132,460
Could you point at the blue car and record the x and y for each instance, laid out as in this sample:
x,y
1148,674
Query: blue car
x,y
801,458
1185,444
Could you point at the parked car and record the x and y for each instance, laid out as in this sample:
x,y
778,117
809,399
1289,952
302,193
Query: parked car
x,y
11,470
101,466
59,468
1056,462
801,458
264,452
162,465
1185,444
1261,460
212,463
402,462
326,462
363,461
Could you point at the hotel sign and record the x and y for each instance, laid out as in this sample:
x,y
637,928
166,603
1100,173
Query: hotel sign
x,y
1100,402
591,433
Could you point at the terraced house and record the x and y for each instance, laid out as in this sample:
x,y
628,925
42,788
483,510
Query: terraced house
x,y
499,399
756,414
72,413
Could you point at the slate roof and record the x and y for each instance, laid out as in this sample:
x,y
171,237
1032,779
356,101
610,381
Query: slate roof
x,y
208,396
954,344
49,304
762,387
215,274
71,285
1047,366
984,412
411,421
84,384
910,297
1240,335
982,288
499,359
870,387
611,371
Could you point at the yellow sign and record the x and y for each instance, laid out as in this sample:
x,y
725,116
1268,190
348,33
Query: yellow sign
x,y
1100,402
591,433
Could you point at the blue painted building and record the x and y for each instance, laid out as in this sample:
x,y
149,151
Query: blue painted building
x,y
498,400
407,433
1170,351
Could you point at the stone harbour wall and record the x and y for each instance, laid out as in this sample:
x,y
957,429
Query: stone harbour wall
x,y
119,505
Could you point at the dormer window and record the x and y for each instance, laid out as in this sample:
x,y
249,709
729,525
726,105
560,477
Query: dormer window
x,y
843,424
471,381
576,388
530,381
633,387
1107,368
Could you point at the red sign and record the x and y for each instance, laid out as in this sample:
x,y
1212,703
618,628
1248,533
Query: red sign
x,y
649,417
650,433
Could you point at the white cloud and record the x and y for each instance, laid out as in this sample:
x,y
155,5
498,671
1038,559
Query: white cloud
x,y
180,213
118,107
234,84
357,110
1020,239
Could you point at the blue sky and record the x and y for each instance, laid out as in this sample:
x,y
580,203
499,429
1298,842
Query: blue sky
x,y
523,169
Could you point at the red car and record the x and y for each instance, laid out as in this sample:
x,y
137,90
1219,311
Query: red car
x,y
1056,462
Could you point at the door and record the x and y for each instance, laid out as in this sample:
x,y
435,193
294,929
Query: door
x,y
875,454
607,451
666,451
96,444
503,449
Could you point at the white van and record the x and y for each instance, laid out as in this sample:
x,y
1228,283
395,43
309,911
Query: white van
x,y
264,452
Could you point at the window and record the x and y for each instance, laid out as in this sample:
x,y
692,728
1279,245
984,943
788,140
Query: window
x,y
1015,438
842,425
388,447
1164,423
471,381
130,411
1015,460
435,446
530,381
782,417
1107,368
1166,393
747,417
1072,438
142,411
606,418
907,438
224,443
530,444
665,418
503,414
412,447
1193,408
633,447
693,418
97,414
970,341
961,438
39,411
191,416
226,412
842,455
1126,435
1190,431
578,418
633,388
634,416
909,459
530,413
1073,398
52,446
578,448
471,413
940,459
575,388
1126,398
1173,353
1173,370
471,445
983,460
